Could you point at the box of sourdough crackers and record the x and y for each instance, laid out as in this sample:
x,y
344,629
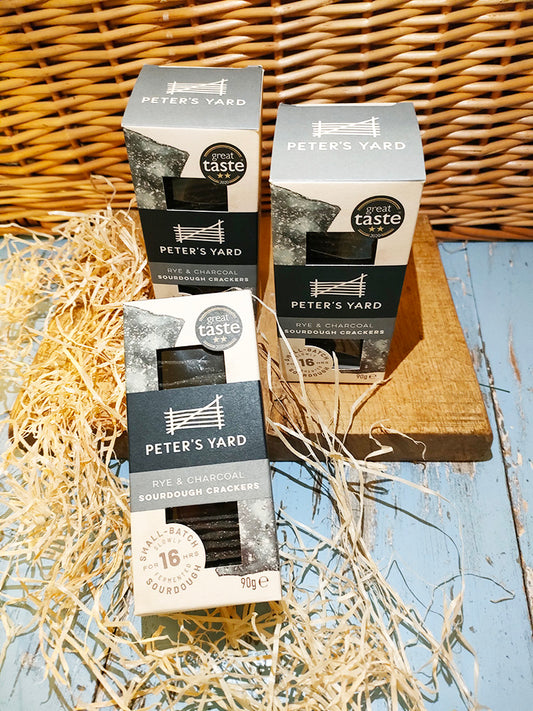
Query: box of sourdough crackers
x,y
193,136
202,519
346,182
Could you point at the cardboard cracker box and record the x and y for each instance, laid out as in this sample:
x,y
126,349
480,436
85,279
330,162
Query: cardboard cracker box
x,y
346,182
193,136
203,528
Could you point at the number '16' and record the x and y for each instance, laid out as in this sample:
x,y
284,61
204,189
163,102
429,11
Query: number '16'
x,y
309,362
170,559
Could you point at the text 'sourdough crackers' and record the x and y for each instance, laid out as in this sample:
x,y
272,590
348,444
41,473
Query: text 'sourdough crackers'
x,y
202,519
346,182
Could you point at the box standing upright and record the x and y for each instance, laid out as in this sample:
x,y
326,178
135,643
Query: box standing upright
x,y
346,182
203,525
193,136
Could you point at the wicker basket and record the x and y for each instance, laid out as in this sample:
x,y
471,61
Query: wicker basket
x,y
68,67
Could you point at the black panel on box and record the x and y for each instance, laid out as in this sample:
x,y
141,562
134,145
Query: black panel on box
x,y
193,289
195,194
217,525
189,366
348,352
339,248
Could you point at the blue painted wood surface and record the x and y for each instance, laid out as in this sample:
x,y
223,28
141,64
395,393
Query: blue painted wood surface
x,y
469,537
476,534
503,278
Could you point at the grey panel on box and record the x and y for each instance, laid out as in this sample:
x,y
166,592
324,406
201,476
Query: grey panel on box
x,y
347,142
144,334
293,216
150,161
374,356
214,97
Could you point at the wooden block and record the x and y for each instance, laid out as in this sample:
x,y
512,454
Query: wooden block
x,y
430,406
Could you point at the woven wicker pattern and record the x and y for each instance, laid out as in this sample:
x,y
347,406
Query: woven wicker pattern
x,y
67,68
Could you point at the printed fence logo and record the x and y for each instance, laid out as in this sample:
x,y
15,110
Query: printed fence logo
x,y
216,88
369,127
210,415
354,287
210,233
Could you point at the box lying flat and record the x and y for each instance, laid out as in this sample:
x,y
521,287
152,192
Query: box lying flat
x,y
430,407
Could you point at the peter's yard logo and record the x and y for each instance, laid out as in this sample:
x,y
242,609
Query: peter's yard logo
x,y
354,287
366,135
210,415
196,93
208,233
368,127
215,88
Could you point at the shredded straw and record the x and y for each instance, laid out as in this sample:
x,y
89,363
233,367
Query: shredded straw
x,y
337,639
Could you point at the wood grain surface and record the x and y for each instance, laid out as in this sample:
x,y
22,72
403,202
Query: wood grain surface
x,y
430,407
